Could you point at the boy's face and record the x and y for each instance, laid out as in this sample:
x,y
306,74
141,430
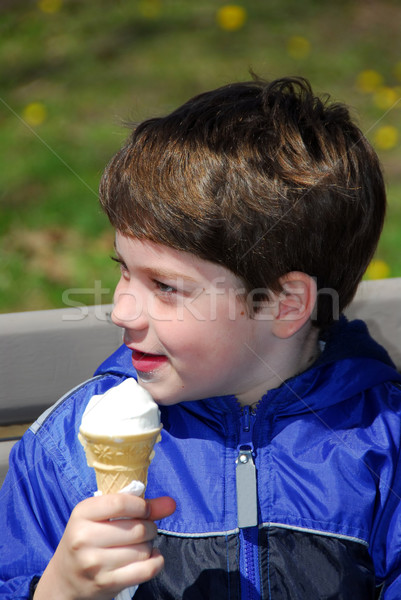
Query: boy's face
x,y
187,326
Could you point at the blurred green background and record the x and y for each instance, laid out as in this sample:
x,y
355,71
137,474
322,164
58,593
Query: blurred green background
x,y
72,71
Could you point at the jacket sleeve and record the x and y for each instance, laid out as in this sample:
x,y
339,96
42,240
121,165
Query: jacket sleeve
x,y
36,500
390,574
389,570
386,539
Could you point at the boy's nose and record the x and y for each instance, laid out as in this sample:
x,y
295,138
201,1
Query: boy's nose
x,y
128,311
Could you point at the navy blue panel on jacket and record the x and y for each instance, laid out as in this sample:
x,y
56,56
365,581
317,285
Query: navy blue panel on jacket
x,y
321,458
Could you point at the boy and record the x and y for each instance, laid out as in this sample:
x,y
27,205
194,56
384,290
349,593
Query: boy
x,y
244,223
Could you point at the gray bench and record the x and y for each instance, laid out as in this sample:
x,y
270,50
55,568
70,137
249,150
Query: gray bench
x,y
45,353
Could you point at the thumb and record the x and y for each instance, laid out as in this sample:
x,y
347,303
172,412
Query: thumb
x,y
162,507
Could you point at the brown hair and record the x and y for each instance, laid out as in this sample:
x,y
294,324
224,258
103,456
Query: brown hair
x,y
263,178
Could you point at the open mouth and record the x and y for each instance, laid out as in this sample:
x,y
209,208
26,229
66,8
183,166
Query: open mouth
x,y
145,362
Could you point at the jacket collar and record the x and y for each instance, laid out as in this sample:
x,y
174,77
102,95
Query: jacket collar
x,y
350,363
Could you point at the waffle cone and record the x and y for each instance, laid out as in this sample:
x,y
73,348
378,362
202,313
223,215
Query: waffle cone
x,y
118,461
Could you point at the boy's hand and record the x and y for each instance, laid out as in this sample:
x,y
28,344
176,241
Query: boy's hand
x,y
106,547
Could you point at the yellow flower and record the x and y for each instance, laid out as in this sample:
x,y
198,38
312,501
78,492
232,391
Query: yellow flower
x,y
50,6
34,113
369,81
298,47
150,9
378,269
385,97
231,17
386,137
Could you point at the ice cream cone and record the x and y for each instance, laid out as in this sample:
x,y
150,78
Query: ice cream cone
x,y
118,461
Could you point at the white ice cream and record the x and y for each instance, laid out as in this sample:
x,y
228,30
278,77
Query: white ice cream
x,y
123,410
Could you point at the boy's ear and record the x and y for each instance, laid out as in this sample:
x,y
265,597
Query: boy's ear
x,y
295,304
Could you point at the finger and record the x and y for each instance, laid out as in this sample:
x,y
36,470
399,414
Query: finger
x,y
137,572
112,506
117,558
161,507
117,568
122,532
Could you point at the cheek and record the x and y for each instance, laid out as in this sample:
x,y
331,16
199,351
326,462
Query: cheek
x,y
196,333
207,342
186,340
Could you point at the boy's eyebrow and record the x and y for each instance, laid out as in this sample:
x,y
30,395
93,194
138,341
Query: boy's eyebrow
x,y
157,272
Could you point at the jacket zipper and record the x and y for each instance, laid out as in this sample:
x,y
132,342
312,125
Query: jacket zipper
x,y
247,508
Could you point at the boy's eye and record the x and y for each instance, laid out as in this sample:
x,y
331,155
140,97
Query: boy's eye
x,y
164,288
122,264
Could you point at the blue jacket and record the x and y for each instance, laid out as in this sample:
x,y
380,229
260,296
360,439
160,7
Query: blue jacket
x,y
299,499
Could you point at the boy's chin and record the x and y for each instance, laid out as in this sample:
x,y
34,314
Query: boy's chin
x,y
162,393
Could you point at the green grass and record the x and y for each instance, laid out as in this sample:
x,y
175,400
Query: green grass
x,y
91,65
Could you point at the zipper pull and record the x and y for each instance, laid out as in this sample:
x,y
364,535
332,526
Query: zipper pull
x,y
247,505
